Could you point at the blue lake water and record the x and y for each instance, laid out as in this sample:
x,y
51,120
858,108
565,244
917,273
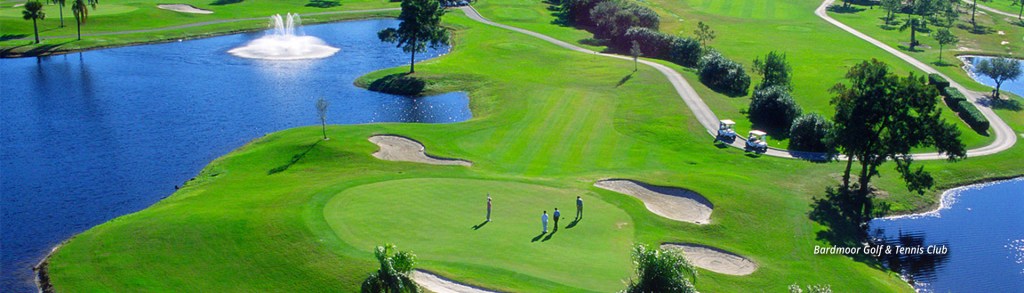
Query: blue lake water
x,y
87,137
1013,86
983,228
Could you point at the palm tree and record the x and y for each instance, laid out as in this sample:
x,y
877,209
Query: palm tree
x,y
661,270
60,5
34,10
911,24
393,275
81,11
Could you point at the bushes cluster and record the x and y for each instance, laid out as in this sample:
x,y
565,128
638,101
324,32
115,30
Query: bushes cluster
x,y
810,133
970,114
608,18
774,108
655,44
938,81
323,3
723,75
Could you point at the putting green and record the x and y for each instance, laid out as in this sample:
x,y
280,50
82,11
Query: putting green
x,y
438,219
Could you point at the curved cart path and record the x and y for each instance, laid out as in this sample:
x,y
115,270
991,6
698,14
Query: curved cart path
x,y
1004,135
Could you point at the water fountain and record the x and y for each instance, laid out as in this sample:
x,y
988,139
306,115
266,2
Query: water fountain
x,y
282,43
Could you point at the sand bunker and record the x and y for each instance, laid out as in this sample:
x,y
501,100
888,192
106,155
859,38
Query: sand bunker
x,y
714,259
185,8
670,202
397,148
438,284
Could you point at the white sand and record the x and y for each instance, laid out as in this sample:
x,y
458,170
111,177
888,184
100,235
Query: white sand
x,y
397,148
185,8
670,202
714,259
437,284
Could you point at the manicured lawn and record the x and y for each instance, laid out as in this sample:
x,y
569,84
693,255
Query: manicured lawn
x,y
547,124
130,15
1008,6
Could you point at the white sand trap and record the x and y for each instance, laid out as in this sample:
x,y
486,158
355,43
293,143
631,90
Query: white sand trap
x,y
438,284
185,8
397,148
670,202
714,259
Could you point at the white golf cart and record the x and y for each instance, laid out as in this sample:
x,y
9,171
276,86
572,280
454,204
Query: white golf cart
x,y
725,131
757,141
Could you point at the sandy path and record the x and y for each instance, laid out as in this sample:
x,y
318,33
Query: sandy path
x,y
397,148
714,259
1005,137
669,202
184,8
438,284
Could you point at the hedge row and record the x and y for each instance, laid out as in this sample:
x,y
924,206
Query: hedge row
x,y
655,44
966,110
938,81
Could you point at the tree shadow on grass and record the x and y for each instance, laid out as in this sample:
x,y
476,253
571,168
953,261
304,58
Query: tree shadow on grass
x,y
6,37
225,2
1001,104
399,84
481,225
624,79
295,159
843,228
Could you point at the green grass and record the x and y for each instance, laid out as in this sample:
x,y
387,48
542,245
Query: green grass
x,y
547,124
365,214
1008,6
132,15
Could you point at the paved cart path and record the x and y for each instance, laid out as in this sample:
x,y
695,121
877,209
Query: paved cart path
x,y
1004,136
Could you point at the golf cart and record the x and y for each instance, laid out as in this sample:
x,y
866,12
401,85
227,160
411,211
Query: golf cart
x,y
757,141
725,131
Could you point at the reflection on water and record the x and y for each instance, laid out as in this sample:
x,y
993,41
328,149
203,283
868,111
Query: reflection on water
x,y
92,136
1013,86
981,226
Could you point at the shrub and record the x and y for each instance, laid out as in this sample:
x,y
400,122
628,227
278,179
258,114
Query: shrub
x,y
655,44
774,108
398,84
684,51
810,133
938,81
323,3
577,12
612,18
723,75
965,109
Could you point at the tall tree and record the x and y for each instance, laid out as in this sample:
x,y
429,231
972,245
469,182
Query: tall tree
x,y
911,24
891,7
661,270
393,274
775,70
704,34
635,52
60,6
1021,12
420,27
921,8
321,111
880,117
1000,70
945,37
974,11
81,10
34,11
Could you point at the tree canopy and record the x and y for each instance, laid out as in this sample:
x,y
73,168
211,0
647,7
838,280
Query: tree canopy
x,y
774,69
393,274
880,117
1000,70
661,270
34,11
420,27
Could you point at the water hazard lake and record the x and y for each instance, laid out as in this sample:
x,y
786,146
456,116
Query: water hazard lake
x,y
982,227
1013,86
87,137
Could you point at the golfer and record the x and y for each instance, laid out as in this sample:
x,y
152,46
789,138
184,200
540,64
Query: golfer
x,y
557,215
579,207
544,221
488,207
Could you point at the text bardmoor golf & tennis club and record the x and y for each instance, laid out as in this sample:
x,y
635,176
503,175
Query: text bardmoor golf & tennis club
x,y
881,249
